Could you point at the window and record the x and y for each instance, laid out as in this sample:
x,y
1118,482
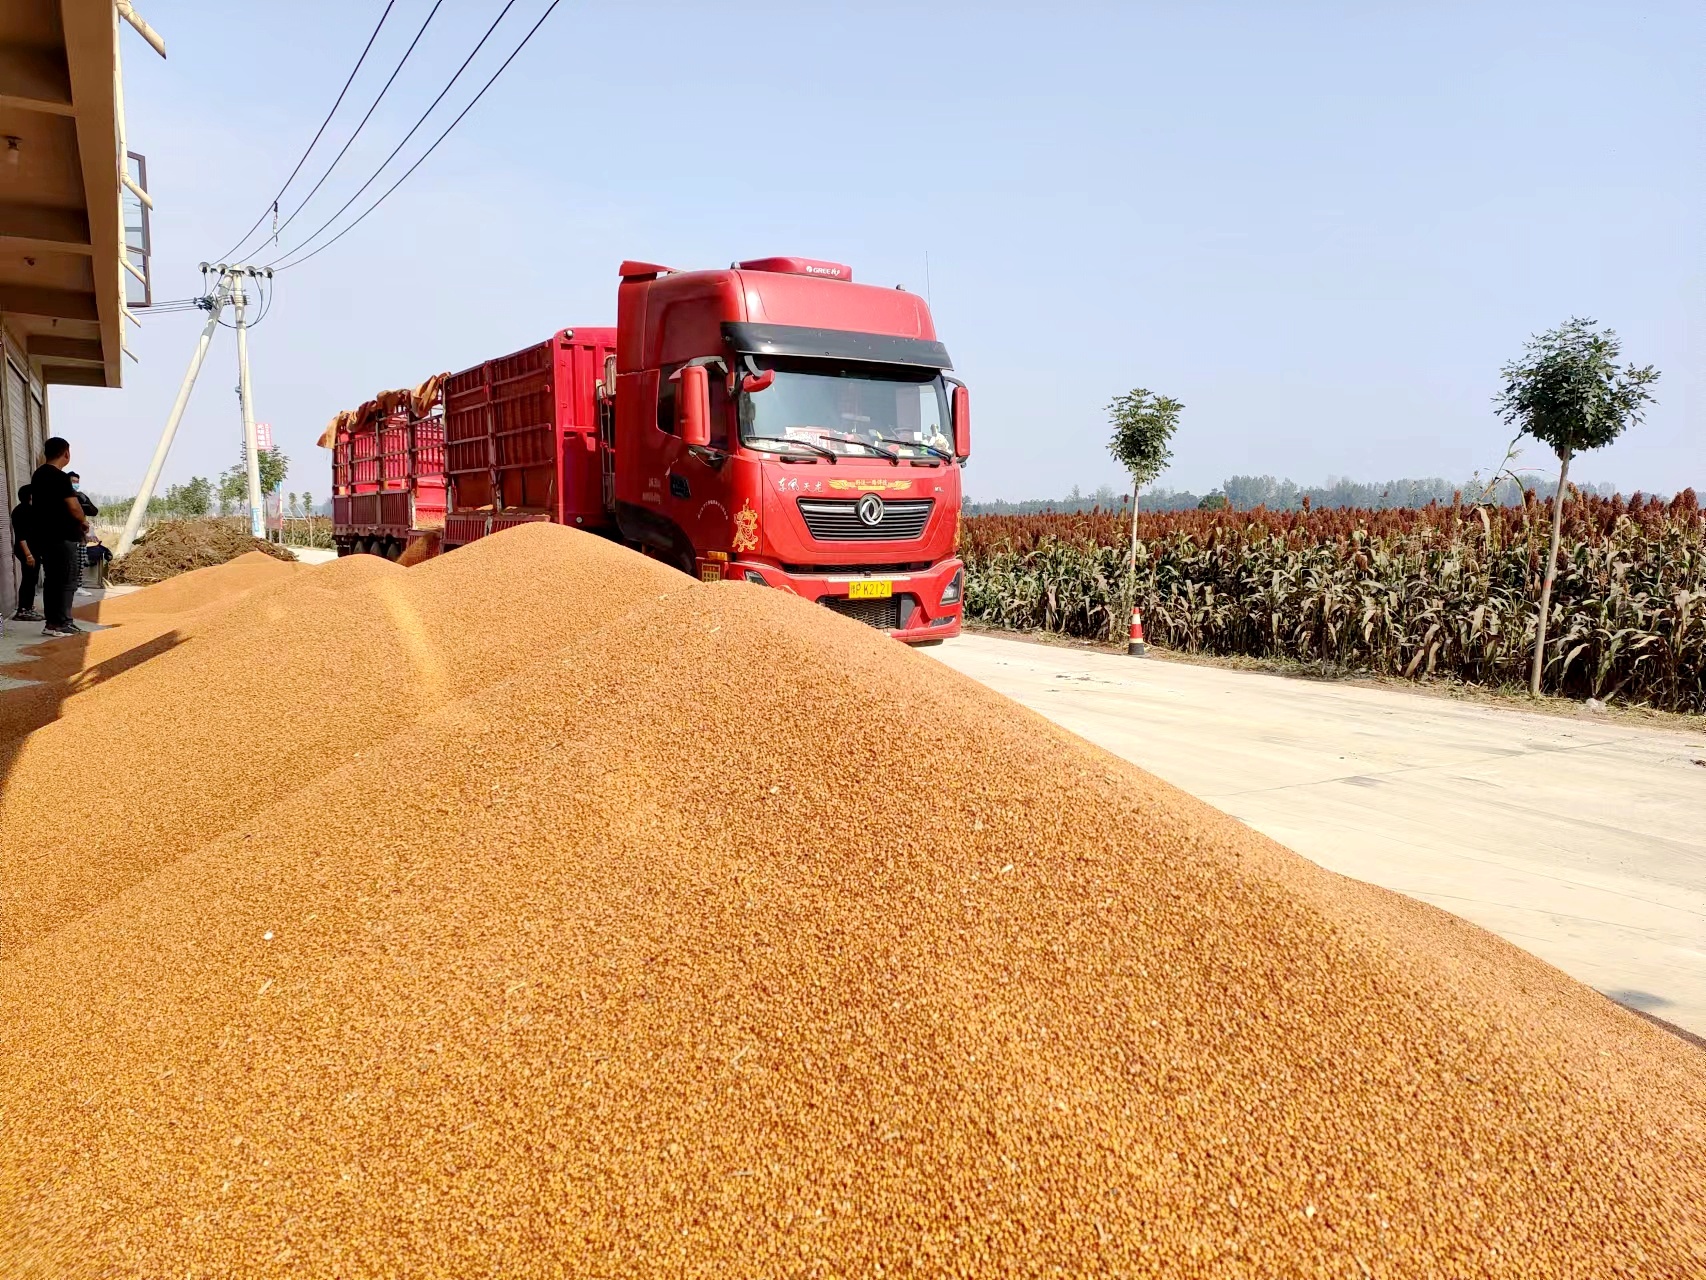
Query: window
x,y
666,401
852,410
719,403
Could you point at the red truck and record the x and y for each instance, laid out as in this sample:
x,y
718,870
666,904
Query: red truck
x,y
388,470
774,422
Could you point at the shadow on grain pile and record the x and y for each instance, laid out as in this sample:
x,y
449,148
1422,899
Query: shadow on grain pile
x,y
134,628
734,939
293,677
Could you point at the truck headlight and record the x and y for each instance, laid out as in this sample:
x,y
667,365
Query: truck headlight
x,y
951,593
755,577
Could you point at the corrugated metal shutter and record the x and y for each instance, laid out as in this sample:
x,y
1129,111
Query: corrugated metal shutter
x,y
38,416
10,478
19,455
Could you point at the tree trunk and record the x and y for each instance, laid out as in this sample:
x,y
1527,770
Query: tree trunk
x,y
1131,563
1546,583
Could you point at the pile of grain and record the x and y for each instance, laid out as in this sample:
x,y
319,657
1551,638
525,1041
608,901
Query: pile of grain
x,y
423,547
725,937
294,679
177,546
194,589
138,625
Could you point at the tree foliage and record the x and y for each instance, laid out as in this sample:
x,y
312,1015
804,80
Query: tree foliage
x,y
234,482
192,499
1143,424
233,487
1568,391
274,467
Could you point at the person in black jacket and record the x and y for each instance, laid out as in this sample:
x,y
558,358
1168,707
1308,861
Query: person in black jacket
x,y
90,511
57,519
29,568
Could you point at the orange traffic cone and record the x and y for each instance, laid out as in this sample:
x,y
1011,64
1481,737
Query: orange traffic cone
x,y
1135,647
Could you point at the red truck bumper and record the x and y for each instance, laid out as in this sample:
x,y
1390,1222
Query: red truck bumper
x,y
912,612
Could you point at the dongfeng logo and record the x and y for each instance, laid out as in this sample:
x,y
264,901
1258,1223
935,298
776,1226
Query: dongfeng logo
x,y
870,510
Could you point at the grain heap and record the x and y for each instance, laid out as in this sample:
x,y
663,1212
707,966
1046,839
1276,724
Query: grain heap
x,y
195,589
176,546
133,627
296,677
732,939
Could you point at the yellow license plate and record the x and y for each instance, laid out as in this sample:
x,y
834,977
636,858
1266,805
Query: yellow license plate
x,y
870,590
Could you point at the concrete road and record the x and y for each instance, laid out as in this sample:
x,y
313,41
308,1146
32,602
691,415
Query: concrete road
x,y
1582,840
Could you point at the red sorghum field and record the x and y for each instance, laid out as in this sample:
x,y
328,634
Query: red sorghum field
x,y
1436,591
692,930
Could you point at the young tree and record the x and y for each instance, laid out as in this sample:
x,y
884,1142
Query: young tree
x,y
1569,393
192,499
274,467
1143,424
233,487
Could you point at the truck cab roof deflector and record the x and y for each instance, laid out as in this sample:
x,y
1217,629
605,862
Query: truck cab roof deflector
x,y
834,344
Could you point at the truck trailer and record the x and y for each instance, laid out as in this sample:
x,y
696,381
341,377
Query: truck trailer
x,y
774,423
388,470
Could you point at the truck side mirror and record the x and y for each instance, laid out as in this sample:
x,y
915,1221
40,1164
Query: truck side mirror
x,y
962,422
693,407
756,382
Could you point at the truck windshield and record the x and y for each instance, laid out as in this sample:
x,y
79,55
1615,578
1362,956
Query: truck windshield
x,y
851,410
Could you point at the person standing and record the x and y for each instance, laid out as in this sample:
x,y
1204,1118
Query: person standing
x,y
90,511
59,524
29,568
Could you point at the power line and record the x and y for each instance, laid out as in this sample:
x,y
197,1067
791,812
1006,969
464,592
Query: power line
x,y
411,133
272,206
303,203
441,137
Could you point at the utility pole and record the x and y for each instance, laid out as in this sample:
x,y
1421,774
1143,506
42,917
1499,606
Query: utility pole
x,y
229,290
257,512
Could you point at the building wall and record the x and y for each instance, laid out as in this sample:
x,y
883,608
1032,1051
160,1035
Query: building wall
x,y
23,429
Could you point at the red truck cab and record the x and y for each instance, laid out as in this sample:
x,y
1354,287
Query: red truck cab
x,y
774,423
778,423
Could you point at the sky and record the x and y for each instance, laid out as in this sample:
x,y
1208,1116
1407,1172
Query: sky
x,y
1323,227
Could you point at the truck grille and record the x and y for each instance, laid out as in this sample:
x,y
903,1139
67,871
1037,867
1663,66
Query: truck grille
x,y
837,520
882,614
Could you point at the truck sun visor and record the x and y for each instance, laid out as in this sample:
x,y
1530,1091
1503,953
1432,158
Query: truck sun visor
x,y
836,344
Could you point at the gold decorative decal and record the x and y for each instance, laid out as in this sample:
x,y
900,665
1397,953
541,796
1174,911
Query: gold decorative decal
x,y
746,528
871,486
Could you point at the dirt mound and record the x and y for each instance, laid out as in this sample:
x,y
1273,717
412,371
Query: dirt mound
x,y
286,684
730,938
177,546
